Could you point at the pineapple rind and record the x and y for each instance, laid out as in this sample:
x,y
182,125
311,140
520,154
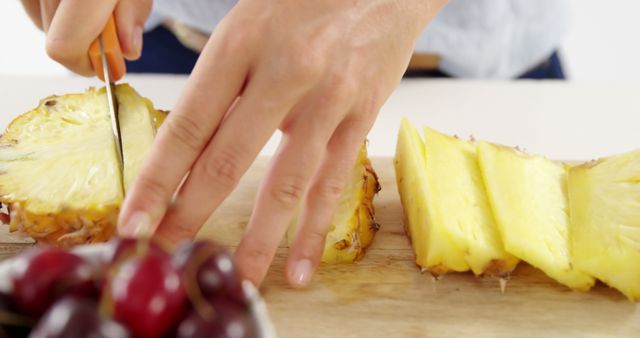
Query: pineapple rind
x,y
432,246
605,220
460,206
528,196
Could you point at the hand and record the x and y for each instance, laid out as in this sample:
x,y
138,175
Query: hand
x,y
317,70
72,25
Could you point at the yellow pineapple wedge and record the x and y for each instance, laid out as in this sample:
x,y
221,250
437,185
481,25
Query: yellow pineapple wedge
x,y
353,226
459,205
528,196
604,201
434,249
59,175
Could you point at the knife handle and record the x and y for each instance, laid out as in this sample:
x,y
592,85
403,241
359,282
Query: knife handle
x,y
112,50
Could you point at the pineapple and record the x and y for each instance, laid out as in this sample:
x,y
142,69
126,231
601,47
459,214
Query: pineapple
x,y
59,174
458,203
433,247
528,196
353,226
604,201
60,178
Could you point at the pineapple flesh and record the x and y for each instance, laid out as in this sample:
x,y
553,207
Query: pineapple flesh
x,y
605,220
353,225
458,203
59,173
528,196
434,248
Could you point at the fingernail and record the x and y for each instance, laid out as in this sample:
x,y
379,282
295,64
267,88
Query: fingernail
x,y
302,272
138,225
136,40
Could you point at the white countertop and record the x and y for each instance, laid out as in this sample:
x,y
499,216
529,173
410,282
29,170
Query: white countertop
x,y
561,120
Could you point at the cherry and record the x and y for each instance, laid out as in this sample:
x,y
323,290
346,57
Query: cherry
x,y
72,317
12,323
148,295
122,248
43,275
230,320
212,267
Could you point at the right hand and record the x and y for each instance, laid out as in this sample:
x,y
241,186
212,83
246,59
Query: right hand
x,y
72,25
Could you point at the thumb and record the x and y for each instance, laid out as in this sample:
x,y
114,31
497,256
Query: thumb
x,y
130,18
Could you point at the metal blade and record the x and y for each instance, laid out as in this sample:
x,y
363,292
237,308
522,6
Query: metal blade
x,y
113,112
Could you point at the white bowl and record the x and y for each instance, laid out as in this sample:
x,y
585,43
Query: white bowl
x,y
93,254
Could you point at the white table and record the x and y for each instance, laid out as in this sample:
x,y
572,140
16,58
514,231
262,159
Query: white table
x,y
562,120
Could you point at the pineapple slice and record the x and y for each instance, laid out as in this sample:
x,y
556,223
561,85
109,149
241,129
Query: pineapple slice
x,y
59,173
353,226
604,198
433,247
459,203
528,196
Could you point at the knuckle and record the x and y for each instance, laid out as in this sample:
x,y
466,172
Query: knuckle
x,y
186,131
154,189
329,190
224,167
340,88
59,49
259,255
288,191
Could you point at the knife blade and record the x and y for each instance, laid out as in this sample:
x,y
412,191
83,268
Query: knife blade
x,y
108,64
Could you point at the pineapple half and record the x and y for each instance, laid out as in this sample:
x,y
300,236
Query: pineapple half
x,y
528,196
457,203
434,248
353,226
59,173
604,201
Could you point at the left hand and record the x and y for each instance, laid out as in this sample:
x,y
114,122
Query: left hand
x,y
317,70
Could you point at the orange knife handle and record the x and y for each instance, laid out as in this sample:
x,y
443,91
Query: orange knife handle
x,y
113,53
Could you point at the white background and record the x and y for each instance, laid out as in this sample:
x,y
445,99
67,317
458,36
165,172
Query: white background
x,y
602,45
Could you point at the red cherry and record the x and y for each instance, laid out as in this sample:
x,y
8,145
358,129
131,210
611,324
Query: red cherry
x,y
148,295
123,248
77,318
230,320
43,275
212,267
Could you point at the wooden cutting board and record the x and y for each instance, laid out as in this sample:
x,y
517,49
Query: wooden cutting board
x,y
386,295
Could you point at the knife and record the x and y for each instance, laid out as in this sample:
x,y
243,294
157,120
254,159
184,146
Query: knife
x,y
108,63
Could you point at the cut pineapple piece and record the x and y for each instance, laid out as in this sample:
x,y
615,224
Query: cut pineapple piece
x,y
353,226
137,130
459,203
434,249
604,201
528,196
59,172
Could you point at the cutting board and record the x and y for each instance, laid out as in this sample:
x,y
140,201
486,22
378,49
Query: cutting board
x,y
386,295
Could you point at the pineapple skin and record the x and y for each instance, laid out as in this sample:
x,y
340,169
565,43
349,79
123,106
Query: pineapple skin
x,y
460,206
65,226
605,220
528,196
433,248
353,226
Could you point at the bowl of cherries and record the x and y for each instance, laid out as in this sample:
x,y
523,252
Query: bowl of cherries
x,y
129,288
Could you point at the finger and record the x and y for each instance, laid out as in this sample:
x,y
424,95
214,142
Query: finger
x,y
322,200
298,157
32,7
47,11
216,81
241,136
130,18
75,25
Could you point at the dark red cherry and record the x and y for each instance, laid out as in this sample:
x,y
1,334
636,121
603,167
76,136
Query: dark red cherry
x,y
229,320
77,318
122,248
43,275
212,268
148,295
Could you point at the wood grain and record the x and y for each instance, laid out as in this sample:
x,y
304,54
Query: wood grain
x,y
386,295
